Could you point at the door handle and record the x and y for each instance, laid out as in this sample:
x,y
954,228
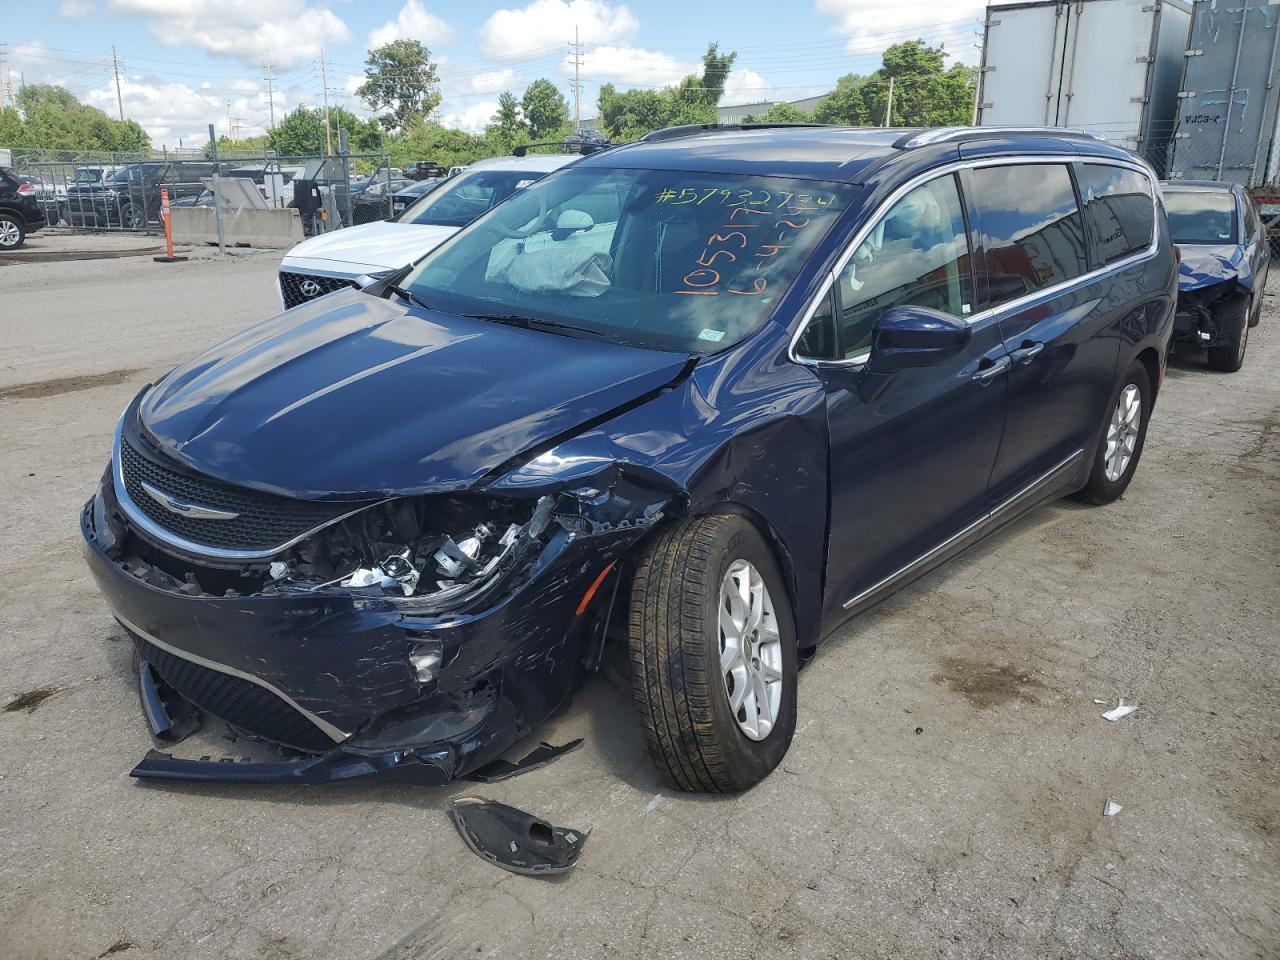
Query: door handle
x,y
1027,352
987,374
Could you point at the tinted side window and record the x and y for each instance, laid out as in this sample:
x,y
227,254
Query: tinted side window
x,y
917,255
818,342
1032,225
1118,208
1250,221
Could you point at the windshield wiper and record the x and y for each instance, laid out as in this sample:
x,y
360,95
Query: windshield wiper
x,y
539,323
406,295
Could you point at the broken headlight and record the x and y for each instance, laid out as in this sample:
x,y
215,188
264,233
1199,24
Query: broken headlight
x,y
431,552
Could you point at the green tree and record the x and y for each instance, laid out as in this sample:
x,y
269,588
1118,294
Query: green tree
x,y
926,93
302,132
631,114
545,109
844,104
50,117
508,120
715,72
401,77
780,113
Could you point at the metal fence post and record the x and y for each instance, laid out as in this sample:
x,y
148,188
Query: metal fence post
x,y
345,153
217,200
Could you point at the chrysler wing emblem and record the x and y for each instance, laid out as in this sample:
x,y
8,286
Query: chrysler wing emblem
x,y
310,288
184,509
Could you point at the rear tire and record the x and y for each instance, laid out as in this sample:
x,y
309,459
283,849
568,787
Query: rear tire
x,y
12,232
1112,470
1233,324
683,665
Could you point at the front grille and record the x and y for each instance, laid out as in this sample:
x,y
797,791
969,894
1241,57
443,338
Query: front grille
x,y
242,704
266,521
291,286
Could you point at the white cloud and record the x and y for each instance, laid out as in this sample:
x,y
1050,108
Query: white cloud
x,y
745,86
632,66
546,22
170,111
493,81
872,25
413,22
75,9
289,31
473,118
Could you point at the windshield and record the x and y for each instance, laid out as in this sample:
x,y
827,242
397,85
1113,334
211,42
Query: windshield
x,y
1201,216
467,196
674,261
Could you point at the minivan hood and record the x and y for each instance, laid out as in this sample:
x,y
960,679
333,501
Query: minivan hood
x,y
354,397
373,246
1204,264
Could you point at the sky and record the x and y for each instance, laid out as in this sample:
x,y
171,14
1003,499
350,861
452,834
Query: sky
x,y
184,64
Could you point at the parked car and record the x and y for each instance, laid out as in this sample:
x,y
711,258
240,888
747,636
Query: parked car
x,y
355,257
1225,258
457,169
20,214
401,200
707,395
47,196
373,201
131,197
423,169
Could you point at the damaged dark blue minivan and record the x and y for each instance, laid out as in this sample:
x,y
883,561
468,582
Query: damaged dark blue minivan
x,y
706,396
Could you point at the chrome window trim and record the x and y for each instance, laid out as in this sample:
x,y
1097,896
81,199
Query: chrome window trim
x,y
951,168
328,729
161,535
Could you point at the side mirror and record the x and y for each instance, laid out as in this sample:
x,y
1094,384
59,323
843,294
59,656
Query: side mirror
x,y
915,337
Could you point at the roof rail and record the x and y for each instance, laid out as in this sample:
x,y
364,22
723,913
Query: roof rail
x,y
922,138
566,146
693,129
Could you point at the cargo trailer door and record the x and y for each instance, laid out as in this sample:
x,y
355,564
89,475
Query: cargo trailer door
x,y
1227,119
1108,58
1022,61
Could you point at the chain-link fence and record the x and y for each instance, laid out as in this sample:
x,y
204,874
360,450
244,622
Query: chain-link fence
x,y
85,190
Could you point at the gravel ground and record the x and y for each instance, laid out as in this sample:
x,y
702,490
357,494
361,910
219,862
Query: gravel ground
x,y
943,797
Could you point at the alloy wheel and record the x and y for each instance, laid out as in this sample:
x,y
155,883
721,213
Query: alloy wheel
x,y
9,233
750,650
1122,432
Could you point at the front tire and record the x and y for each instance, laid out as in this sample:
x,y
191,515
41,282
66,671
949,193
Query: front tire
x,y
713,655
1233,327
1123,435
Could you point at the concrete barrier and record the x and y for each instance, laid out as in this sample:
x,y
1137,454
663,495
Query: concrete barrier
x,y
277,229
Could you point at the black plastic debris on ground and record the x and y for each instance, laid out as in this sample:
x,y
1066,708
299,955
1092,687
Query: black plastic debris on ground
x,y
540,756
515,840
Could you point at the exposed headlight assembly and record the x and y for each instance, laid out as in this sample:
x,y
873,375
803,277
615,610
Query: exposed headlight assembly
x,y
426,553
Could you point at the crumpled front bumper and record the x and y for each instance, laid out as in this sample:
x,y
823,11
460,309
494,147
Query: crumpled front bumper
x,y
333,668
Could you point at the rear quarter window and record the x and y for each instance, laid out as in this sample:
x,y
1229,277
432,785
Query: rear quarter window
x,y
1032,228
1119,210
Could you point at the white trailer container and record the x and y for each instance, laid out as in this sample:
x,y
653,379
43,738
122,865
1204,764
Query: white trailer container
x,y
1110,66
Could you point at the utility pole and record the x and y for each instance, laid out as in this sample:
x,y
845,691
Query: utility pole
x,y
4,76
576,46
115,65
271,95
324,82
888,109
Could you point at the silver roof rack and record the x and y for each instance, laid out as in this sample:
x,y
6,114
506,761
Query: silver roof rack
x,y
946,134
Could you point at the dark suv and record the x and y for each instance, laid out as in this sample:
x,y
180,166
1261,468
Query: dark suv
x,y
131,197
20,213
698,399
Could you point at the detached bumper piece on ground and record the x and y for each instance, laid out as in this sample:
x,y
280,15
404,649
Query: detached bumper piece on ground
x,y
515,840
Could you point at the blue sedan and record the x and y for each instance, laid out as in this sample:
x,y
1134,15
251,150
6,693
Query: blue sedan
x,y
1223,271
